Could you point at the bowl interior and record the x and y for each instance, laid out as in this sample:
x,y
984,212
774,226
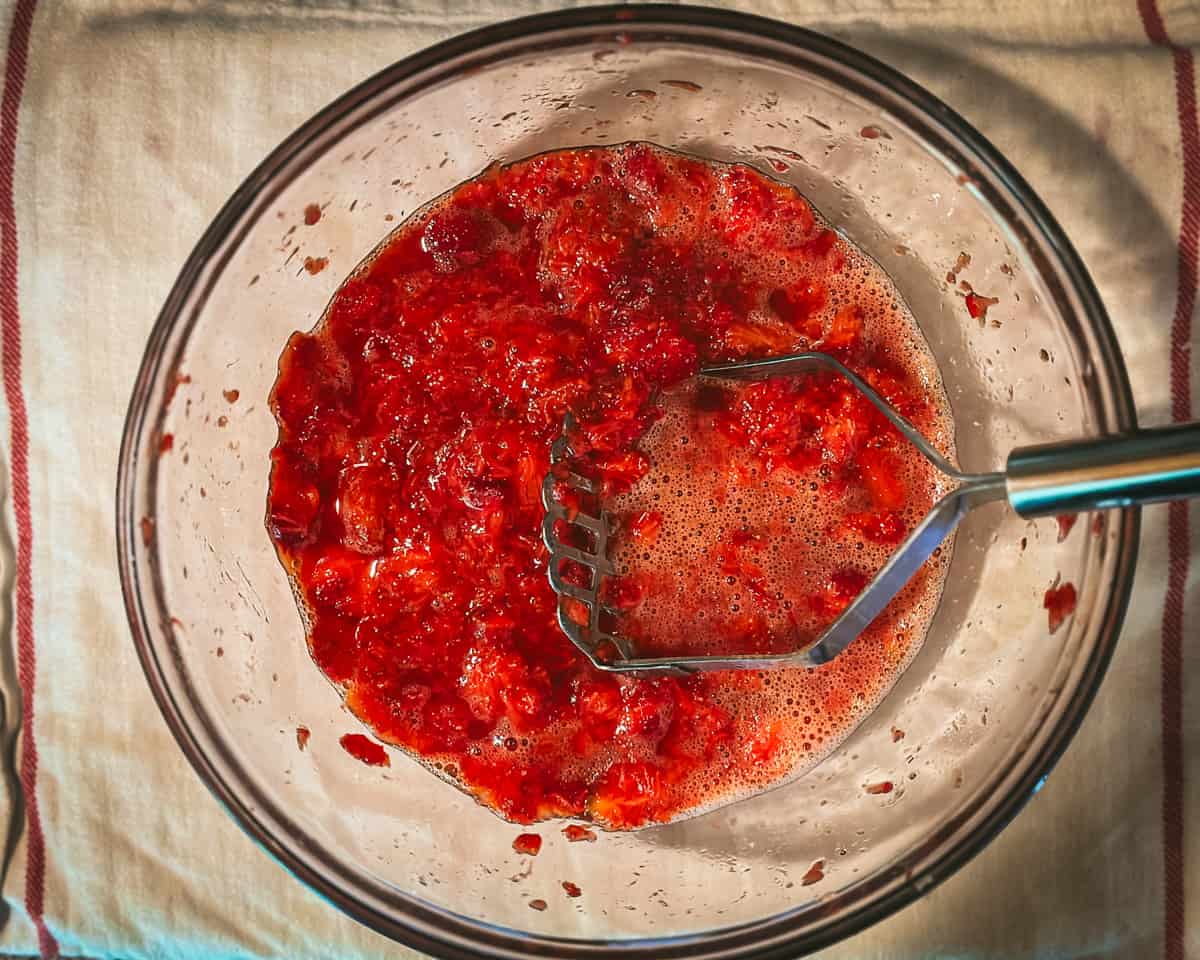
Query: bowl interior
x,y
984,707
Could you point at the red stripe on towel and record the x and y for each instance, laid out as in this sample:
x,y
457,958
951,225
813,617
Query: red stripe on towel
x,y
1178,534
10,340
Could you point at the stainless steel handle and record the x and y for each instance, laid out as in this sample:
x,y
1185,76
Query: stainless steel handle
x,y
1105,472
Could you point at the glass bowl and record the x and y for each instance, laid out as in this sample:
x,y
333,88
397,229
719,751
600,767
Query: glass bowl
x,y
967,734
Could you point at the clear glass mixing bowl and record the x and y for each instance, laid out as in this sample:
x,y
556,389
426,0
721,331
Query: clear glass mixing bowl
x,y
986,708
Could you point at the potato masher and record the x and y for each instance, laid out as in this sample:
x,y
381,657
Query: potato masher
x,y
1063,477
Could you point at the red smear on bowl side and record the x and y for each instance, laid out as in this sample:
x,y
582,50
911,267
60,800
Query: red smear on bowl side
x,y
365,749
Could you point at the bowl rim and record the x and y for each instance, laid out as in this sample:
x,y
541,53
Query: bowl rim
x,y
444,933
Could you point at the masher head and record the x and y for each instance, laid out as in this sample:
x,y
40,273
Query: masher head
x,y
593,626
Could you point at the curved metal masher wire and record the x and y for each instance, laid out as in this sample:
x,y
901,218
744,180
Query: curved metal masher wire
x,y
590,636
807,362
586,632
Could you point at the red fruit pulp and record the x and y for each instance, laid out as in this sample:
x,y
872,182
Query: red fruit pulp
x,y
415,423
1059,601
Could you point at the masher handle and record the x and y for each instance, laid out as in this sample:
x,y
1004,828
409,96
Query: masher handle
x,y
1097,474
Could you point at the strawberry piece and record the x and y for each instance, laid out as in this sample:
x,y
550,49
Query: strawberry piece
x,y
1059,602
845,330
887,526
744,340
294,503
528,844
977,306
337,581
765,744
598,704
620,471
799,306
644,526
646,709
456,238
576,834
364,493
622,593
839,591
628,795
879,472
365,749
1065,522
